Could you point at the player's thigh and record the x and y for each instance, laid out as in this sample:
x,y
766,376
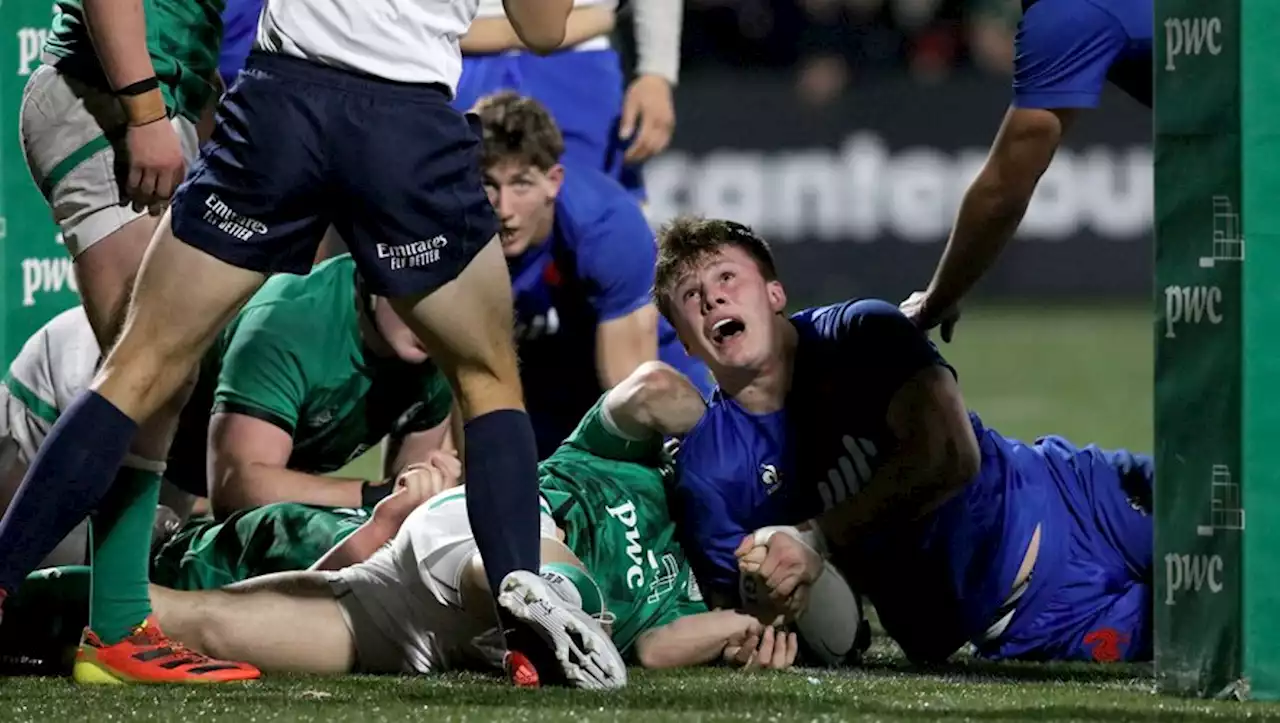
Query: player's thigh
x,y
1063,51
72,139
287,622
259,196
171,322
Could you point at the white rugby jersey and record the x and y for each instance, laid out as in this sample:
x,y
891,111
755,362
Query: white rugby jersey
x,y
411,41
53,367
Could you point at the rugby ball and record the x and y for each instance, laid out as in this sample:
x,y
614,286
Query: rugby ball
x,y
830,629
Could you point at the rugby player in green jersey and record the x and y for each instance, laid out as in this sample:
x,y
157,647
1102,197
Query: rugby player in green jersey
x,y
108,126
421,603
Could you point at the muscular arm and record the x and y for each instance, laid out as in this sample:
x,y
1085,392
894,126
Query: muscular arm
x,y
996,201
936,456
655,398
539,23
624,343
495,35
247,458
119,32
693,639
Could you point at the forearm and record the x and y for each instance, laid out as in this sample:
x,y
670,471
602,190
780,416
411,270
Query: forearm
x,y
254,485
988,217
496,35
358,546
118,29
540,24
658,28
692,640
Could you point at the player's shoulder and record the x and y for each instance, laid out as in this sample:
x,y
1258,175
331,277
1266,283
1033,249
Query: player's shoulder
x,y
591,201
66,336
834,320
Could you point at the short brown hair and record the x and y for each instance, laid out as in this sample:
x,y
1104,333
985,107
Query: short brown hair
x,y
687,240
518,128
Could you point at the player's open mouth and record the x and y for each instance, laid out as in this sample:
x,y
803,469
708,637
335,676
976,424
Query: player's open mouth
x,y
726,329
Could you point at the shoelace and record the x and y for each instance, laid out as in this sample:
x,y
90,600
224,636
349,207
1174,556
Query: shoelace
x,y
153,637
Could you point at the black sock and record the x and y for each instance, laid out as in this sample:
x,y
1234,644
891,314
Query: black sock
x,y
68,477
502,492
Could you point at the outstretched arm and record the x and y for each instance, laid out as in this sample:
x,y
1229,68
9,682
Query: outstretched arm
x,y
993,207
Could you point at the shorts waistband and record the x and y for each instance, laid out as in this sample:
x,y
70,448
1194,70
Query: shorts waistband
x,y
331,76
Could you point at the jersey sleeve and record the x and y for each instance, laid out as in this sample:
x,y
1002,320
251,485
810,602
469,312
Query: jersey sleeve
x,y
708,531
880,346
435,400
616,258
1062,54
596,436
262,375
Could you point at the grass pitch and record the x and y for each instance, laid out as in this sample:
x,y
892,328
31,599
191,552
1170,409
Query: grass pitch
x,y
1084,373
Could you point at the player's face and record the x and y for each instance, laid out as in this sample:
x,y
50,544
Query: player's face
x,y
402,341
525,199
725,311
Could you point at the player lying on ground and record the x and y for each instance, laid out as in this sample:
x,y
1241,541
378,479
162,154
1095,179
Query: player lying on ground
x,y
581,258
109,122
315,135
1064,54
421,604
845,419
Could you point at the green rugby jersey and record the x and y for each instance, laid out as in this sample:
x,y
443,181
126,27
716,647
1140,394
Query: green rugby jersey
x,y
293,357
608,494
206,555
184,38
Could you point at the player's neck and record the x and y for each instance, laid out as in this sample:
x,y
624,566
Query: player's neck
x,y
765,391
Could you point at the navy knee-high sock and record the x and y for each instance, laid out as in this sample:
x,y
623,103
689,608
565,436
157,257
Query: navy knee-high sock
x,y
69,476
501,462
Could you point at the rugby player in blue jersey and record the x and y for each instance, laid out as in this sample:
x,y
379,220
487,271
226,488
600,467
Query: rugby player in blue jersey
x,y
1065,53
581,256
844,424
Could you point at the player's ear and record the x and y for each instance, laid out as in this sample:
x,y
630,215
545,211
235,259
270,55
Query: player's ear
x,y
777,296
555,178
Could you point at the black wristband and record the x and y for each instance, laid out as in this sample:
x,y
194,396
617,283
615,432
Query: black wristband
x,y
142,86
371,493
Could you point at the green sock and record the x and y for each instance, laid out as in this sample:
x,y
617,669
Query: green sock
x,y
119,600
574,584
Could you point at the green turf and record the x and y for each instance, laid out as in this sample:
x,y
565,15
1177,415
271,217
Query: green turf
x,y
881,691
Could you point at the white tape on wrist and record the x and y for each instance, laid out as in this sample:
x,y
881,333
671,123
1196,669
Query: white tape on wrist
x,y
812,537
